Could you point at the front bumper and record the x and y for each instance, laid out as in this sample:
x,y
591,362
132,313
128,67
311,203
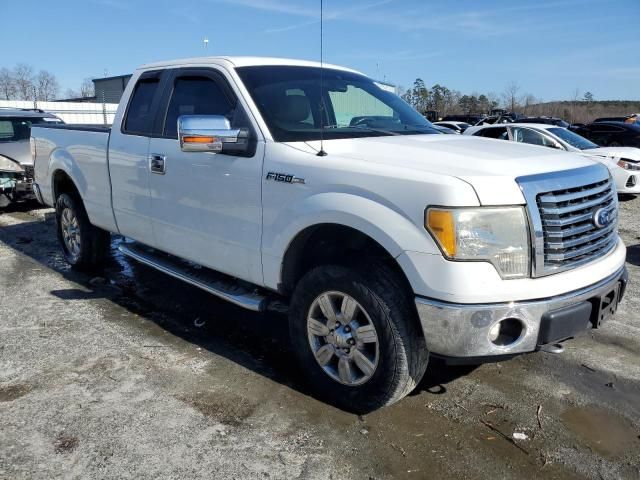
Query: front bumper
x,y
462,330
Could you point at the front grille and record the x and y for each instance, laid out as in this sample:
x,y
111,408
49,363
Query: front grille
x,y
570,234
29,172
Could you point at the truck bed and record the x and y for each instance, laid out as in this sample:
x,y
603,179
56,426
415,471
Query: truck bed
x,y
81,152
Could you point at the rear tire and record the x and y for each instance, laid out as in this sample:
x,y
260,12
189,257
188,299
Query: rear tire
x,y
85,247
377,333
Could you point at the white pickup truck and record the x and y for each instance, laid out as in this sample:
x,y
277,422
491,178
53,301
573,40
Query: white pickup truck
x,y
390,242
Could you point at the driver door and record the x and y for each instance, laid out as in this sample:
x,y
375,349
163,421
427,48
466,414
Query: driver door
x,y
206,207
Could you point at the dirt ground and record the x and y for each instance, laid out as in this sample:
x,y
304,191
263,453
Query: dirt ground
x,y
135,375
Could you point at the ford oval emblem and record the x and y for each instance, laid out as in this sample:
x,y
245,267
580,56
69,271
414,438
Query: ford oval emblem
x,y
601,218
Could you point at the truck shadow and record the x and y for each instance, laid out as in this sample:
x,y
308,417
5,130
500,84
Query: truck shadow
x,y
257,341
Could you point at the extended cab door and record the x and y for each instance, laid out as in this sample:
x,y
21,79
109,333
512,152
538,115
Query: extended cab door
x,y
206,207
128,159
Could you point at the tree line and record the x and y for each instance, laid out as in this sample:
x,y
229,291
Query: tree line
x,y
445,102
22,82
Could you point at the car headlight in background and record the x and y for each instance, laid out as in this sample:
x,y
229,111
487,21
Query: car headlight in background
x,y
498,235
628,164
8,165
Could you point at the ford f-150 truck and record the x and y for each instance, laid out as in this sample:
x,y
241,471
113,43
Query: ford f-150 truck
x,y
259,179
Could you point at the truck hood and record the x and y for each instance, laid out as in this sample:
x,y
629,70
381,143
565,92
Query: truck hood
x,y
19,151
490,166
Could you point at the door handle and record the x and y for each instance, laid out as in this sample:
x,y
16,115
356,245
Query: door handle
x,y
157,163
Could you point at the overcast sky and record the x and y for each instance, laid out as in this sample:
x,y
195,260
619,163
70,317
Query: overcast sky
x,y
550,47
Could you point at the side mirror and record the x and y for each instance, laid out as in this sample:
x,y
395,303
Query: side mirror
x,y
208,133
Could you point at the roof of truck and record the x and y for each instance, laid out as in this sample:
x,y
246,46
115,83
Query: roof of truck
x,y
244,62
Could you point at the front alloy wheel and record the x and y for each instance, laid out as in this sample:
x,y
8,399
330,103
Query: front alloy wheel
x,y
343,338
356,335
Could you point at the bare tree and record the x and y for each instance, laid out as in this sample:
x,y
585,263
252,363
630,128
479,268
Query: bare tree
x,y
23,77
510,95
87,88
71,93
7,84
46,85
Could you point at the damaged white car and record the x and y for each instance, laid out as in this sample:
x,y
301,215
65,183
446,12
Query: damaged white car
x,y
16,164
623,162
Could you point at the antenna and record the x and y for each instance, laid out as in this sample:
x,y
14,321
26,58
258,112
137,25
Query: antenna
x,y
321,153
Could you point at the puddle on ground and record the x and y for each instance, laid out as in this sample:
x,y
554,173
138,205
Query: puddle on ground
x,y
604,432
9,393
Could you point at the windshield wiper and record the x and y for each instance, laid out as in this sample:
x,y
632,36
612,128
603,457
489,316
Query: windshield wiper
x,y
362,127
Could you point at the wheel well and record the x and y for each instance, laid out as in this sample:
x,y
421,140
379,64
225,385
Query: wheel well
x,y
62,183
331,244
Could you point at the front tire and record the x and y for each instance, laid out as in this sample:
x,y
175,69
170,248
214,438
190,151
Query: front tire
x,y
356,336
84,246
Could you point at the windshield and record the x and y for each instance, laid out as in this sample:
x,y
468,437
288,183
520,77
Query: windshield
x,y
573,139
16,129
288,98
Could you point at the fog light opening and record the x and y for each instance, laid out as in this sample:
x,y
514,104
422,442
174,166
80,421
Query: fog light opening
x,y
506,332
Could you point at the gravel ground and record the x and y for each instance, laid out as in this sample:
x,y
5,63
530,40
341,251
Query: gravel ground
x,y
136,375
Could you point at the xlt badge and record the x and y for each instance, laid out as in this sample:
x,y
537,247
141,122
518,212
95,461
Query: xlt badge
x,y
284,177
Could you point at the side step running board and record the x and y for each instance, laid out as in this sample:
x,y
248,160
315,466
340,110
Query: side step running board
x,y
218,284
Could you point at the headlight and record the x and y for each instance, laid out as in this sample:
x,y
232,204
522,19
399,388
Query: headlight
x,y
8,165
497,235
628,165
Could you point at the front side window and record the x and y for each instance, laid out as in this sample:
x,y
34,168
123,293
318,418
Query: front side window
x,y
195,95
298,106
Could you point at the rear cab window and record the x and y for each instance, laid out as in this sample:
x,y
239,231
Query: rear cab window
x,y
139,117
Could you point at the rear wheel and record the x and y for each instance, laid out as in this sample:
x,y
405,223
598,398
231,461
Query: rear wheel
x,y
357,337
84,246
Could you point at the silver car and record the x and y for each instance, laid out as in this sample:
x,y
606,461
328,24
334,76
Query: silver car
x,y
16,165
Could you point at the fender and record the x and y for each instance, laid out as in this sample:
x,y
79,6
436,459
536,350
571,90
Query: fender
x,y
357,212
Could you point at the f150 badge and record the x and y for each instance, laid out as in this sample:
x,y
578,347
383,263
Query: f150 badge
x,y
284,177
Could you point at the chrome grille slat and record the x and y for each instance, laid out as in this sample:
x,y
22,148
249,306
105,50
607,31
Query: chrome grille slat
x,y
576,207
570,236
578,252
553,198
579,240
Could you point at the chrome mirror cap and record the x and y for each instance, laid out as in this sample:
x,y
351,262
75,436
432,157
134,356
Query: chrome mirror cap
x,y
205,133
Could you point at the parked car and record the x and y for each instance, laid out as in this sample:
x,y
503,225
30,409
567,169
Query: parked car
x,y
622,162
471,119
546,120
633,118
16,164
458,127
388,242
611,134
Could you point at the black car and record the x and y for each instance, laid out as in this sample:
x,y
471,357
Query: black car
x,y
610,119
545,120
611,134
